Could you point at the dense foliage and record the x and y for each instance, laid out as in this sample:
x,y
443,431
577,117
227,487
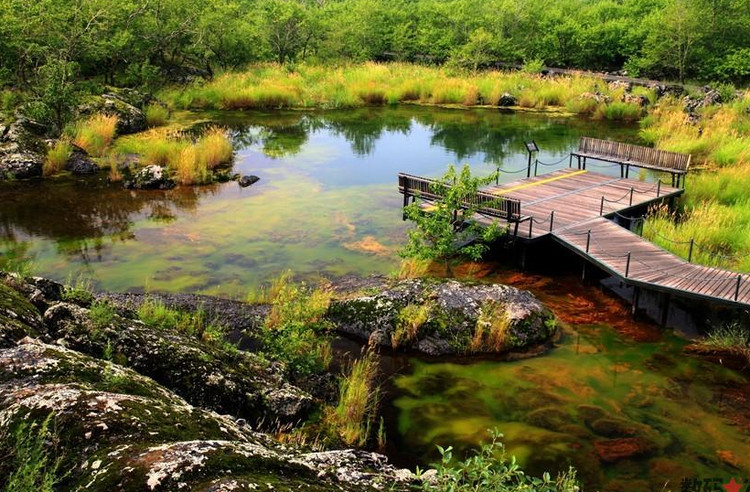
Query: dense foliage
x,y
139,42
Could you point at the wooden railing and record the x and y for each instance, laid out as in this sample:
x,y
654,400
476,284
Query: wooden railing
x,y
633,155
482,202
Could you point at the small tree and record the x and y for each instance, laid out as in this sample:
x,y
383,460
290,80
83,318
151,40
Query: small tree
x,y
55,94
449,230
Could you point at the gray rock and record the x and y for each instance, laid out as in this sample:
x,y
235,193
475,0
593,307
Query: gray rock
x,y
20,165
79,162
507,100
451,314
150,178
246,181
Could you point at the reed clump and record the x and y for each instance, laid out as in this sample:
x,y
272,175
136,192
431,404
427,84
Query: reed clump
x,y
57,157
359,395
95,134
491,331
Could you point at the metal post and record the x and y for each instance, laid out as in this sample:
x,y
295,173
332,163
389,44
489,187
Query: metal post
x,y
690,251
570,161
497,176
627,266
658,188
601,207
631,196
737,290
531,225
528,169
536,166
551,220
588,240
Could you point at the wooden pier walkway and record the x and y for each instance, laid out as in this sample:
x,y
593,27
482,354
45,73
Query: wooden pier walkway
x,y
575,208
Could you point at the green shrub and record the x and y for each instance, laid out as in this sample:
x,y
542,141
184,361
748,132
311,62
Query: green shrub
x,y
489,469
295,331
102,313
78,291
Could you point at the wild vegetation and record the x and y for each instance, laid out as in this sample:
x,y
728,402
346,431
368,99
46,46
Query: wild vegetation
x,y
156,314
490,469
189,160
33,463
448,231
295,329
348,86
492,328
352,418
715,211
57,157
733,337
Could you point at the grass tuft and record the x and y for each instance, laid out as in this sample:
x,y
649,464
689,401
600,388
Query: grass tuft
x,y
408,322
95,134
156,115
57,157
491,332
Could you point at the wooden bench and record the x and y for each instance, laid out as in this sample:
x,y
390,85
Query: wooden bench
x,y
484,203
627,155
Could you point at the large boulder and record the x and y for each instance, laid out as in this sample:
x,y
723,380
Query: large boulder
x,y
115,429
447,317
22,151
130,119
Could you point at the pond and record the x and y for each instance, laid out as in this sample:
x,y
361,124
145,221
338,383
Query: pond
x,y
616,399
327,203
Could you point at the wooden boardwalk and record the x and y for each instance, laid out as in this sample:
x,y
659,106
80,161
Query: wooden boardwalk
x,y
568,197
574,207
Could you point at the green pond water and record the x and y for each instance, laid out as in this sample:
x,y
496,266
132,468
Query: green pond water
x,y
327,205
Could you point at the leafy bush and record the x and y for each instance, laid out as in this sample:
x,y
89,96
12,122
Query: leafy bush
x,y
448,230
489,470
102,313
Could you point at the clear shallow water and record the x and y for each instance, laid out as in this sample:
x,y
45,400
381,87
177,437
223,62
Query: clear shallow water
x,y
327,202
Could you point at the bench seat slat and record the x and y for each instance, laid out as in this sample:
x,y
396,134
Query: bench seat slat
x,y
633,155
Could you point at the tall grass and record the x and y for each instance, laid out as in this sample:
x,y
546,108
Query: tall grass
x,y
95,134
156,115
57,157
733,337
359,396
715,212
196,324
191,162
492,327
295,329
272,86
408,322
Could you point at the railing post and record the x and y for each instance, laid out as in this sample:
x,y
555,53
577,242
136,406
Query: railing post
x,y
737,290
588,240
690,251
497,176
631,196
658,188
536,166
601,207
551,220
528,169
531,225
627,266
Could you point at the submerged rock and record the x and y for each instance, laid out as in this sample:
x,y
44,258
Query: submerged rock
x,y
447,317
246,181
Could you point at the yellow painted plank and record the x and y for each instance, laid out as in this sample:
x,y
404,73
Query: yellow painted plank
x,y
543,181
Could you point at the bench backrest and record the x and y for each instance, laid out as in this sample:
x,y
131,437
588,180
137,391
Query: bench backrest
x,y
483,202
635,154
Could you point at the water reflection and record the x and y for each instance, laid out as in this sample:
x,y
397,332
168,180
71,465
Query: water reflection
x,y
325,203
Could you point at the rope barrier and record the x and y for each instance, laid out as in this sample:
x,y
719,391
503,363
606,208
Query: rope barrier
x,y
552,163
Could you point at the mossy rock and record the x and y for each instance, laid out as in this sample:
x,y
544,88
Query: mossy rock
x,y
550,418
453,313
233,382
18,317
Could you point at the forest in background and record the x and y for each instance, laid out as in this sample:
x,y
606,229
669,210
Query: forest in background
x,y
145,43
